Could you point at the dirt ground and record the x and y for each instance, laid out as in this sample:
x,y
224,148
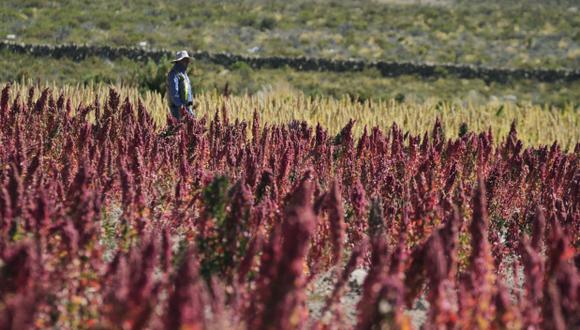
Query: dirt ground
x,y
323,285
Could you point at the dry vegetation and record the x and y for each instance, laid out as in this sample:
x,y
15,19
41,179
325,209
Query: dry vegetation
x,y
536,124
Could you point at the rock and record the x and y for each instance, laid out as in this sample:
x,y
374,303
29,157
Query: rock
x,y
254,50
357,279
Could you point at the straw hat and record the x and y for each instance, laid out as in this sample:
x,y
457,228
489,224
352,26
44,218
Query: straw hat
x,y
180,55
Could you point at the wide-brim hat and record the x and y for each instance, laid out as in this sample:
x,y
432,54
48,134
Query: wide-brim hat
x,y
180,55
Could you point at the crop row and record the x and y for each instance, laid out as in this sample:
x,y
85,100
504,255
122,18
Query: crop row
x,y
116,223
537,125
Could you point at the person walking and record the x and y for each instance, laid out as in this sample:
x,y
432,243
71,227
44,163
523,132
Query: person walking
x,y
179,95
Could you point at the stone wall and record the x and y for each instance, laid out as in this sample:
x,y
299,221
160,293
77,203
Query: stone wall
x,y
387,69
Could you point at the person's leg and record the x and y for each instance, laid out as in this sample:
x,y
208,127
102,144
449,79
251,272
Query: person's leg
x,y
175,113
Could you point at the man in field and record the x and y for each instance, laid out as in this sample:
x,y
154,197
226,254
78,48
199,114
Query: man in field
x,y
179,93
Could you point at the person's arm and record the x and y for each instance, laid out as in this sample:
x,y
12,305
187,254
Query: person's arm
x,y
173,89
186,96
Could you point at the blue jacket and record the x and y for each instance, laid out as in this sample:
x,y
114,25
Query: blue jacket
x,y
179,90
